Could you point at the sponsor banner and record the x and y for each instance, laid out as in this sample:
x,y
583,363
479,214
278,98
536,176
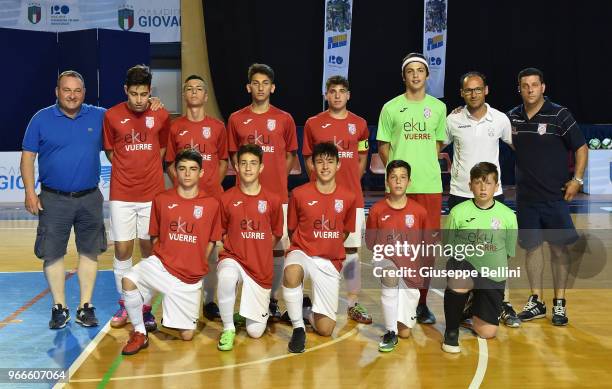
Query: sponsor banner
x,y
434,44
337,38
160,18
11,183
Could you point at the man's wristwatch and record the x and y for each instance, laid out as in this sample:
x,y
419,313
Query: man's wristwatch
x,y
578,180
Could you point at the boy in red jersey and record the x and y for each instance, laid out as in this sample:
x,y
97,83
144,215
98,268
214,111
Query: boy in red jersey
x,y
396,218
349,133
252,220
321,215
135,140
274,130
207,135
184,228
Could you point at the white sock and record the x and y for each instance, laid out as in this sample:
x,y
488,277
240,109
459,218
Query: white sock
x,y
390,298
120,269
311,319
278,275
254,328
351,271
133,304
210,279
226,295
293,300
507,292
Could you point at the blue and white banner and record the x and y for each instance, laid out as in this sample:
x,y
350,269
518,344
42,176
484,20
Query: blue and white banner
x,y
434,44
160,18
337,38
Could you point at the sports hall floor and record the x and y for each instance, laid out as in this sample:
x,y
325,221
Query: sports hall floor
x,y
534,355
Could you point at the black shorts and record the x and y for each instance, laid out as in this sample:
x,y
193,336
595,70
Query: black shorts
x,y
549,221
60,213
488,295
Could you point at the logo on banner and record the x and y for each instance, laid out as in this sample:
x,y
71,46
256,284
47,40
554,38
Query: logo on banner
x,y
206,132
149,122
339,205
262,205
34,13
409,221
542,128
352,128
198,211
435,41
271,124
125,18
338,15
427,112
337,41
335,60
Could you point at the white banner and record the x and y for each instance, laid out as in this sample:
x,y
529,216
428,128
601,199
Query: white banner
x,y
11,182
434,44
337,38
160,18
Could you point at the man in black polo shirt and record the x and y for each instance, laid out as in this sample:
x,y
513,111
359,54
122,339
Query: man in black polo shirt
x,y
543,133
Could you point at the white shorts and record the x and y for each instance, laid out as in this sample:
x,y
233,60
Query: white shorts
x,y
255,299
129,220
181,301
283,243
408,298
325,281
354,239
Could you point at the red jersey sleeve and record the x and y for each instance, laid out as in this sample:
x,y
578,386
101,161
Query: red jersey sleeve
x,y
371,227
222,144
292,218
277,218
217,228
349,218
232,135
171,146
109,134
224,203
163,132
154,218
307,143
290,134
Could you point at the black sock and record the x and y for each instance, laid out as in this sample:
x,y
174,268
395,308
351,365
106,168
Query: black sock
x,y
453,308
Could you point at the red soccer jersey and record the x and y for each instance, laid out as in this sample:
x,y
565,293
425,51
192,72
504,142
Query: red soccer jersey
x,y
346,135
319,221
135,140
184,228
210,139
249,223
275,132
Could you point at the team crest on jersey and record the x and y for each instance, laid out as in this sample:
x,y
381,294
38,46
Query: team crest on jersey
x,y
427,112
409,221
514,130
149,121
352,128
198,211
206,132
271,124
542,128
495,224
339,205
262,206
491,132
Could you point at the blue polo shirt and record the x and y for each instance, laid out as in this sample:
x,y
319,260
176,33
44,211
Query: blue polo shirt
x,y
68,149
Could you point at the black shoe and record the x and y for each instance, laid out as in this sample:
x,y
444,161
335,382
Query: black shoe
x,y
466,315
59,317
211,311
508,316
559,313
275,314
297,344
424,315
388,342
86,316
306,303
534,309
451,342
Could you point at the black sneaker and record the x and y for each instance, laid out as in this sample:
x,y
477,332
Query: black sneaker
x,y
86,316
508,316
534,309
388,342
59,317
275,314
559,313
211,311
297,344
424,315
451,342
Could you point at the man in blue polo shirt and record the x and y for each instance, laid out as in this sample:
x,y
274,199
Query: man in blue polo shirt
x,y
543,133
67,137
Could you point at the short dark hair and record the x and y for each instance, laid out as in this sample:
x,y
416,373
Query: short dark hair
x,y
336,80
250,148
482,170
325,149
138,75
196,77
188,154
531,72
414,55
260,68
472,73
399,164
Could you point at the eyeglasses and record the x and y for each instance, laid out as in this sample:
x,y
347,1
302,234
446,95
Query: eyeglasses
x,y
475,91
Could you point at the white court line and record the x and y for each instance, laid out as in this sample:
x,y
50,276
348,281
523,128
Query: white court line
x,y
609,209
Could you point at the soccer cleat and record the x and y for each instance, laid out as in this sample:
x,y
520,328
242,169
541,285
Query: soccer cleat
x,y
148,318
136,343
86,316
226,341
275,314
120,317
359,314
239,321
424,315
388,342
297,344
534,309
508,316
211,311
559,312
59,317
451,342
